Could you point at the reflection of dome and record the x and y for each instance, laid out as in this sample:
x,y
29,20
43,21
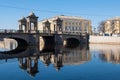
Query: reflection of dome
x,y
47,64
33,73
57,68
42,44
23,66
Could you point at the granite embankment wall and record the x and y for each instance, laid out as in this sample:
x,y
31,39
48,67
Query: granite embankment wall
x,y
104,40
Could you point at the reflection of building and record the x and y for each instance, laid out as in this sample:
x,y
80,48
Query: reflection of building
x,y
66,57
108,53
65,24
76,58
57,61
60,57
46,59
111,57
8,44
112,26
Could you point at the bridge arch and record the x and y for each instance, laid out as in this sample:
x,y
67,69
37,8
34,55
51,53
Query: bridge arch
x,y
67,39
47,43
21,39
63,38
20,42
71,42
21,46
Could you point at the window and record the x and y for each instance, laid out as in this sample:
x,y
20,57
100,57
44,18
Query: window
x,y
66,28
69,28
80,23
73,23
76,23
65,23
69,23
80,28
73,28
76,28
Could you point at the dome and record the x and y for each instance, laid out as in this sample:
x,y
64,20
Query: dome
x,y
31,14
22,19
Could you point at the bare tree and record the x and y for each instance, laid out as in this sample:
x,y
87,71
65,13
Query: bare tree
x,y
101,27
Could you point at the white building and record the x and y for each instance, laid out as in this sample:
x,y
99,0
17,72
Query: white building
x,y
67,24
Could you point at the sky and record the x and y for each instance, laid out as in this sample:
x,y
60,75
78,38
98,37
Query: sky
x,y
95,10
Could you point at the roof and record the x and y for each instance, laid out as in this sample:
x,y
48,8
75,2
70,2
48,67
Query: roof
x,y
46,22
65,17
32,15
23,19
114,18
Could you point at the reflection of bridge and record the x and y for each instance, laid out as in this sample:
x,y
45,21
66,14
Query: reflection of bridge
x,y
62,57
28,59
28,33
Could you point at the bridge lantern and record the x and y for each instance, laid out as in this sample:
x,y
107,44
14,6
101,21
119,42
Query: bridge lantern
x,y
32,22
22,24
58,24
46,25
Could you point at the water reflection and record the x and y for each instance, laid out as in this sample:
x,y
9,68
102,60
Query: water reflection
x,y
30,64
107,53
58,57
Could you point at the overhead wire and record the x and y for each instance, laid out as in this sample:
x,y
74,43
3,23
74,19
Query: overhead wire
x,y
52,11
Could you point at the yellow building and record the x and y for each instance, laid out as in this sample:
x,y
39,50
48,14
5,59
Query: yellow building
x,y
66,24
112,26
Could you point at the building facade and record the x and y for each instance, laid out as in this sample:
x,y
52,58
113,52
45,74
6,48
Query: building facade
x,y
65,24
112,26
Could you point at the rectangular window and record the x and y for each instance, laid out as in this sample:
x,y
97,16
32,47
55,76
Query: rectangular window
x,y
76,28
66,28
65,23
69,23
80,28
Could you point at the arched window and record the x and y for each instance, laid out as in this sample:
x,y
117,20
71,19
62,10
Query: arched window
x,y
32,26
23,27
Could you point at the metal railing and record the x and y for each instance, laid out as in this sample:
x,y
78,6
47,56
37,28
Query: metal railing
x,y
8,31
75,32
43,32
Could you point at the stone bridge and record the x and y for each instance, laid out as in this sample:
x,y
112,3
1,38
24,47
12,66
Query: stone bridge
x,y
69,39
29,34
23,39
33,39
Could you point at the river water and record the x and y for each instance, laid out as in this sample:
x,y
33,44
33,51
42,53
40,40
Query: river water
x,y
91,62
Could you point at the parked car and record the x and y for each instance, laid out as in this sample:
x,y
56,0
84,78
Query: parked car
x,y
106,34
116,35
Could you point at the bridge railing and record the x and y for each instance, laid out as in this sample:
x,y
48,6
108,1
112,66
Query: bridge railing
x,y
44,32
75,32
63,32
8,31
